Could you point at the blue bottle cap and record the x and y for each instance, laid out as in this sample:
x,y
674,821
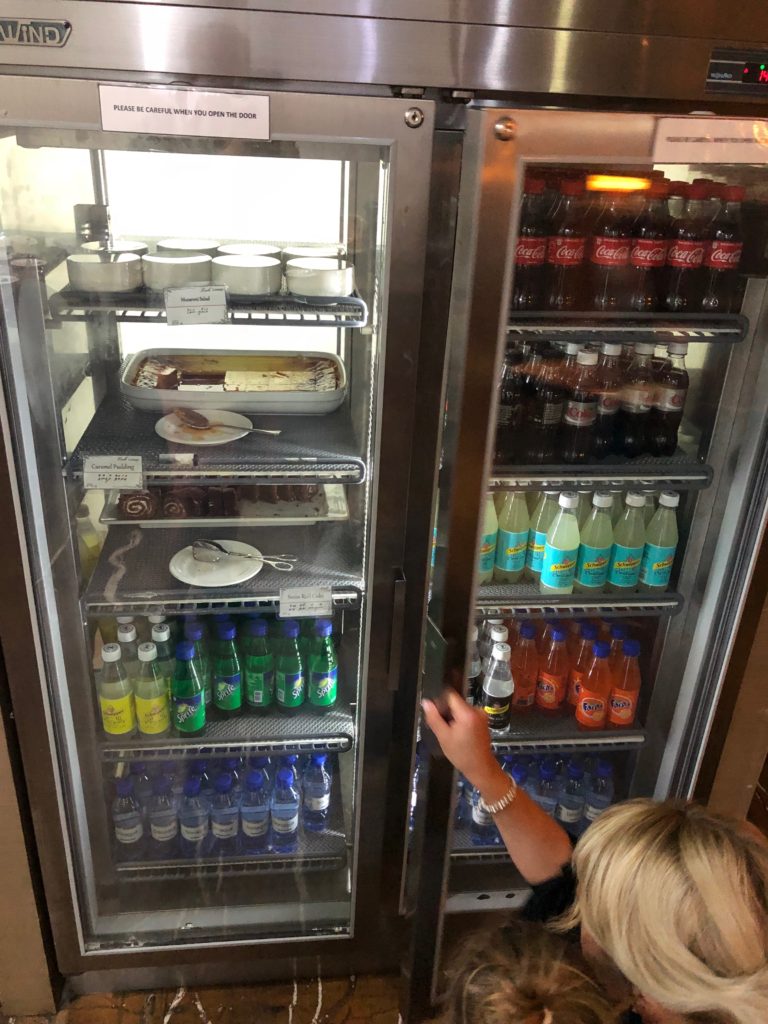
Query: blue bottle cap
x,y
192,786
162,785
185,651
618,632
198,767
604,768
318,759
193,631
589,631
226,630
547,771
290,628
256,627
166,767
288,759
124,787
575,771
601,649
553,622
284,777
258,761
528,631
323,627
138,767
632,648
255,779
230,763
222,616
520,774
558,635
223,783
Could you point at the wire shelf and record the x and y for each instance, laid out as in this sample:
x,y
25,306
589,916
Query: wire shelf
x,y
534,732
629,327
526,600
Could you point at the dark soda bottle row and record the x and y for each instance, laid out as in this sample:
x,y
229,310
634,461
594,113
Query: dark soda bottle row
x,y
575,404
661,246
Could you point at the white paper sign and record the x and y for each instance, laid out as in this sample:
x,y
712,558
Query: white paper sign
x,y
704,140
305,602
158,111
107,472
196,304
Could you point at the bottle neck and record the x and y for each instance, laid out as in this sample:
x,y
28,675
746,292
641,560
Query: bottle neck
x,y
695,209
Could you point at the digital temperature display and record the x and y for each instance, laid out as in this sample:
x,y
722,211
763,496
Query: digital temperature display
x,y
755,73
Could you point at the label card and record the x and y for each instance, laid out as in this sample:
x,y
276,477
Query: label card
x,y
305,602
704,140
113,472
152,110
196,304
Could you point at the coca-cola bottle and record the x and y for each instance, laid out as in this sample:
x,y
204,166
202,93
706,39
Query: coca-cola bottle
x,y
511,415
545,410
678,195
531,251
685,257
668,401
609,256
609,384
565,250
723,256
569,366
648,251
580,414
636,402
715,198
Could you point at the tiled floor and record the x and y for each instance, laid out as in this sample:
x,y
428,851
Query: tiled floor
x,y
364,1000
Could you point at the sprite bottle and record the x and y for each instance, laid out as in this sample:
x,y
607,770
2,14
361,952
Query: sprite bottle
x,y
187,693
258,666
322,668
290,682
194,631
227,674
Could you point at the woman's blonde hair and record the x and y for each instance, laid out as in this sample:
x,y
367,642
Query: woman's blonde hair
x,y
522,974
677,897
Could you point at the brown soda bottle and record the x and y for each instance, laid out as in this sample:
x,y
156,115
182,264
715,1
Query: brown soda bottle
x,y
610,377
636,402
668,401
648,251
580,415
511,415
565,250
569,366
609,256
721,262
685,258
545,411
531,251
676,199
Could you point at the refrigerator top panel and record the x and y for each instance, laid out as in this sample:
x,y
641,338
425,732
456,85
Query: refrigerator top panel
x,y
660,52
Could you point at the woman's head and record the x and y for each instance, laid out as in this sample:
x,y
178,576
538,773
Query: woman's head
x,y
677,897
522,974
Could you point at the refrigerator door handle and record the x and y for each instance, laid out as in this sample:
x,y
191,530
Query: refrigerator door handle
x,y
398,627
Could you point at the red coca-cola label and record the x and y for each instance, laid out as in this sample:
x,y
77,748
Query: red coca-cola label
x,y
608,402
580,414
648,252
565,252
610,252
686,254
670,399
531,252
724,255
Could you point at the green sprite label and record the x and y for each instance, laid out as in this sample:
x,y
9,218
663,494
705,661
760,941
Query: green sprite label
x,y
228,692
189,713
322,688
289,689
259,683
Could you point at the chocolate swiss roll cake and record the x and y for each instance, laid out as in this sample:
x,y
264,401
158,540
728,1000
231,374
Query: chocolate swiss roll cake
x,y
268,493
138,505
285,492
305,492
214,502
229,500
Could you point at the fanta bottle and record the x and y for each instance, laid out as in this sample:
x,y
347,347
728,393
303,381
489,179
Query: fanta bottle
x,y
552,682
544,638
618,636
580,662
626,687
593,700
525,669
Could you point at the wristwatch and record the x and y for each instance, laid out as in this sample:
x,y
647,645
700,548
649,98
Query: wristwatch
x,y
504,801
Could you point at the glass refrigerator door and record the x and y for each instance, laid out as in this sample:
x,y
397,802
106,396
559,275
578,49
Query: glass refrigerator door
x,y
197,366
596,530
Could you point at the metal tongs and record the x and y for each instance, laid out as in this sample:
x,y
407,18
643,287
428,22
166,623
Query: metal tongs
x,y
211,551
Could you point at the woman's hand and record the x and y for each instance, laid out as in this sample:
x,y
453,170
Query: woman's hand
x,y
465,740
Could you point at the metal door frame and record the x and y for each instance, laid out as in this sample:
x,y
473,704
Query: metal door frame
x,y
72,103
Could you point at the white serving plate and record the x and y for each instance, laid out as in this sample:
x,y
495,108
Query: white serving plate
x,y
226,573
319,277
163,271
104,272
187,247
260,402
248,276
329,506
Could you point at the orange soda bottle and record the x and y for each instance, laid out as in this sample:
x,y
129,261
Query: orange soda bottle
x,y
574,636
513,631
618,636
525,669
581,661
622,707
552,681
592,705
545,637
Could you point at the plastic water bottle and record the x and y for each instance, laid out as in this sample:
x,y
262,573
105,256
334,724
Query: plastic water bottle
x,y
547,788
199,770
129,646
316,794
163,821
291,763
264,764
225,817
170,768
116,700
254,813
498,688
570,805
232,765
127,822
194,819
285,812
600,792
482,827
194,633
142,784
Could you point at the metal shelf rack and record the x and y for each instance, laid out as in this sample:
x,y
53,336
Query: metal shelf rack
x,y
628,327
525,600
537,733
